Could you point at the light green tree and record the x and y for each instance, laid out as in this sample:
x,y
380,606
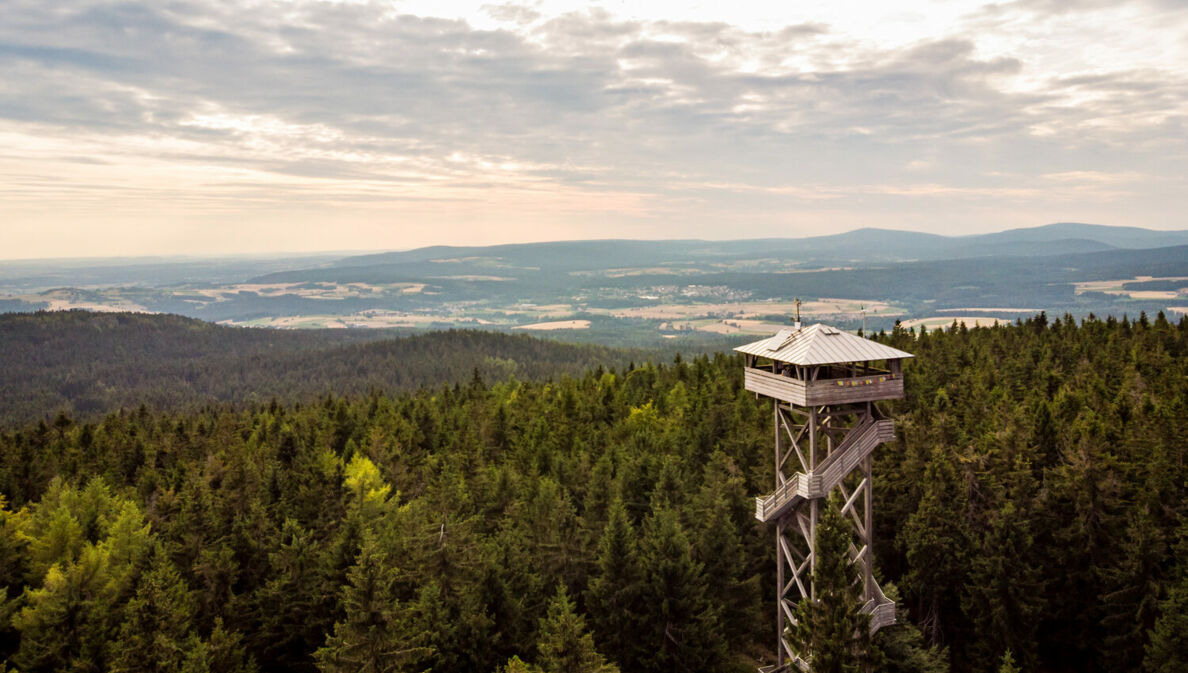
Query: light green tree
x,y
565,646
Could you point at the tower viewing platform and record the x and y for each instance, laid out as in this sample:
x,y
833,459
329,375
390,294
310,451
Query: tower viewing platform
x,y
820,364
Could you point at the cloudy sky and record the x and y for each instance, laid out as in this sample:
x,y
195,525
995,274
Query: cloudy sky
x,y
202,126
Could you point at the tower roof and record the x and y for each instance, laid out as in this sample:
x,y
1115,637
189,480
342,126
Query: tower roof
x,y
820,345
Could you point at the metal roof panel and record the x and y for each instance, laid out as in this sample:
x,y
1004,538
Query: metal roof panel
x,y
820,345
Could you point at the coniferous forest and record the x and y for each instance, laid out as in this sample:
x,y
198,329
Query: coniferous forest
x,y
1030,516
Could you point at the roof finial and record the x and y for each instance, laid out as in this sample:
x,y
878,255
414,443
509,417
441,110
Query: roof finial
x,y
796,324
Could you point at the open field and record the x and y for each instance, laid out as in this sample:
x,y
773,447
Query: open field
x,y
556,325
369,319
308,290
1116,287
944,322
987,309
749,310
739,327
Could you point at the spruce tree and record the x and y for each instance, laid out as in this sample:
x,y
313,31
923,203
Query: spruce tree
x,y
937,546
157,634
1007,664
564,644
679,627
613,600
1130,602
1165,651
830,631
1003,596
902,645
720,551
377,634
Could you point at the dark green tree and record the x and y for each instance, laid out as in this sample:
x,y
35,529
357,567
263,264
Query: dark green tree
x,y
616,591
830,631
378,633
679,627
1165,652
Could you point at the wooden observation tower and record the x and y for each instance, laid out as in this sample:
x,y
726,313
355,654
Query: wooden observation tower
x,y
824,383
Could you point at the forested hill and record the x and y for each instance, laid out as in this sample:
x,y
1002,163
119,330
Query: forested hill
x,y
87,363
1035,502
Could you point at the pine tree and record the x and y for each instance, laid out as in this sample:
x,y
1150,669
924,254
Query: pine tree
x,y
157,633
377,634
902,645
1003,596
679,627
518,665
937,547
288,602
830,631
564,644
1165,652
615,592
1130,602
1007,665
720,550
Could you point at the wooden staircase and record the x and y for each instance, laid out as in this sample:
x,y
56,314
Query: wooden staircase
x,y
859,442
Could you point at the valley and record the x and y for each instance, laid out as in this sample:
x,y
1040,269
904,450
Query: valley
x,y
646,293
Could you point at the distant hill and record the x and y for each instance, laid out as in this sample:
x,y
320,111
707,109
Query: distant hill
x,y
87,363
860,247
1118,237
149,271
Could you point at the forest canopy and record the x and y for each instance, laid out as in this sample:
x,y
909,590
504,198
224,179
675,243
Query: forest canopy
x,y
87,364
1031,511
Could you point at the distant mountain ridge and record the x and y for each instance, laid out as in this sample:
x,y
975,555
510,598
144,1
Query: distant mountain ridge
x,y
860,246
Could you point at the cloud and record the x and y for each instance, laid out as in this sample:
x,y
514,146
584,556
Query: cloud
x,y
357,100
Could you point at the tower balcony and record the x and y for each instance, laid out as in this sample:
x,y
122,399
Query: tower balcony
x,y
802,393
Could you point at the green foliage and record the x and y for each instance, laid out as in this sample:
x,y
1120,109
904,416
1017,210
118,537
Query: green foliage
x,y
1165,653
94,363
830,632
157,634
679,627
903,648
1033,502
86,551
517,665
378,634
616,591
1008,664
565,646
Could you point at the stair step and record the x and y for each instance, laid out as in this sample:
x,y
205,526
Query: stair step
x,y
857,445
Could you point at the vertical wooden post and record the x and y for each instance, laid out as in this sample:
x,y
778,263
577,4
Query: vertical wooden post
x,y
780,559
812,421
779,443
868,560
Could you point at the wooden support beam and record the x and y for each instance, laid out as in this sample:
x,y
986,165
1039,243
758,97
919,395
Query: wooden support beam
x,y
853,515
850,501
797,571
788,613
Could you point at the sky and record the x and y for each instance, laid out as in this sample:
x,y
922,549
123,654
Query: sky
x,y
212,127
